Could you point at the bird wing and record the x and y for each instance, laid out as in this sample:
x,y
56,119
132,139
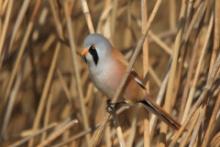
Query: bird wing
x,y
137,78
119,56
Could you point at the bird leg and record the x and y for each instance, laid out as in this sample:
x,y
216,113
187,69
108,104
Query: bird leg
x,y
112,108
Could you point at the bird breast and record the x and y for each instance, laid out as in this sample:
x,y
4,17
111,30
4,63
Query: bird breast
x,y
107,79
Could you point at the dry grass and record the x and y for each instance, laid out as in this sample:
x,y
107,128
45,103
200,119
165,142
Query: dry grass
x,y
47,98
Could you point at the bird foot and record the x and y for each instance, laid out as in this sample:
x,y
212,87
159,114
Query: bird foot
x,y
113,107
110,107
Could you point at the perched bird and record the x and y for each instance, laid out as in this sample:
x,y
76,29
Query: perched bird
x,y
107,66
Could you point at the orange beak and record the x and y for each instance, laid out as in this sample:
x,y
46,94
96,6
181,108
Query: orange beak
x,y
83,52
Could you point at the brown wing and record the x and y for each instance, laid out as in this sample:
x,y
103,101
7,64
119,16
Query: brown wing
x,y
119,56
137,79
133,93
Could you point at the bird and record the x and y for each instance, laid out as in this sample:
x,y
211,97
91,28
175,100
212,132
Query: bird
x,y
107,67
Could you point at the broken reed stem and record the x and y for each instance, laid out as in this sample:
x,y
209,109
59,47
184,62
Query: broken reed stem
x,y
71,139
57,133
40,131
79,135
67,11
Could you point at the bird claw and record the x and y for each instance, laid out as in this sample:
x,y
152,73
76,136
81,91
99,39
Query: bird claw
x,y
113,107
110,107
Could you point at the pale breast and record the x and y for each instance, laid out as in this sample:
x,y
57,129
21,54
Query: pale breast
x,y
107,77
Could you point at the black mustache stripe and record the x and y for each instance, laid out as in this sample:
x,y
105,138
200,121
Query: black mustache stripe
x,y
85,60
94,54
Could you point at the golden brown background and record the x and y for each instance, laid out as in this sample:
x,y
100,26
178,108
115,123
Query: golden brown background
x,y
47,99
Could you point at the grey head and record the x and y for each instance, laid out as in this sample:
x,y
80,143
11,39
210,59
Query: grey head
x,y
99,48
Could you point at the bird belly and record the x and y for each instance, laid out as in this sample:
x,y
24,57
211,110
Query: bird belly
x,y
102,84
108,81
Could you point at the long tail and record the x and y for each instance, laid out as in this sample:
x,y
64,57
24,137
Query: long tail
x,y
162,114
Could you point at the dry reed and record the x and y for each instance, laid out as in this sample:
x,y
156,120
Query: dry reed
x,y
47,98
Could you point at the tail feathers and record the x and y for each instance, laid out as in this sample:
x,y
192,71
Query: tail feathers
x,y
162,114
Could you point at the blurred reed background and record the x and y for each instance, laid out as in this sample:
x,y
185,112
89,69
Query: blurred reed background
x,y
47,99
